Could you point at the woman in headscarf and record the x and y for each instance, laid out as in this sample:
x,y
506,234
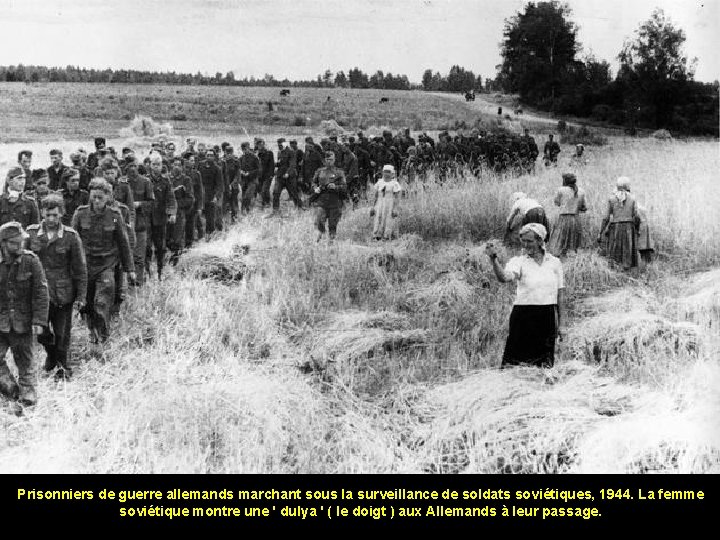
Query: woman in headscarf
x,y
620,225
567,233
538,312
387,193
524,210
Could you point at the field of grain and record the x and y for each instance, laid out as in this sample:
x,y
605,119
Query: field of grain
x,y
52,111
379,358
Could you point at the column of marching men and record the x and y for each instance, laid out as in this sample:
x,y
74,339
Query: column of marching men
x,y
78,236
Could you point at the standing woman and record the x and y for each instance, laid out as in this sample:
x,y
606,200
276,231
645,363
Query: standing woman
x,y
567,233
620,226
538,312
387,193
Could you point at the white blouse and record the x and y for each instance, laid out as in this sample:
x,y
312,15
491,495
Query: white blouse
x,y
537,284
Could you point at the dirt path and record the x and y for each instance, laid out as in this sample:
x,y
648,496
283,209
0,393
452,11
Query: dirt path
x,y
488,107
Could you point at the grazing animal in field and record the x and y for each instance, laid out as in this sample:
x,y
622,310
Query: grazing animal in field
x,y
470,96
384,100
284,92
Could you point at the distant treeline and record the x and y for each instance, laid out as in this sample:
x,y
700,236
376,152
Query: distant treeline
x,y
354,78
654,87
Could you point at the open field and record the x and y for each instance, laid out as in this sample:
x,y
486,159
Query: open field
x,y
52,111
374,358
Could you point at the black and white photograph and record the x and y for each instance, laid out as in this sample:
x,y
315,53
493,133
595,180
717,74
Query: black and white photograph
x,y
429,237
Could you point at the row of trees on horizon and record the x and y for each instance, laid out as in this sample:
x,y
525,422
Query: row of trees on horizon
x,y
541,63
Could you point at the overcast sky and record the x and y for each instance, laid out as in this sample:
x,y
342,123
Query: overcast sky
x,y
300,38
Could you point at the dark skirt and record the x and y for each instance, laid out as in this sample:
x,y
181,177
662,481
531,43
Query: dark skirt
x,y
622,244
531,340
566,236
537,215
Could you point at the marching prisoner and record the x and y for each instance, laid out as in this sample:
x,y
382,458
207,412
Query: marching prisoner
x,y
249,176
15,203
185,199
143,197
73,196
60,251
163,212
106,244
23,312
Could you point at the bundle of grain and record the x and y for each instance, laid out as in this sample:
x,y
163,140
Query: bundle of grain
x,y
143,127
331,128
635,343
675,433
356,335
448,288
518,420
226,260
662,135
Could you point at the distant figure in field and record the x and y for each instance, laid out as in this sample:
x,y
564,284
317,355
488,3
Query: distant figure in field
x,y
329,191
567,232
524,210
551,151
499,111
384,100
619,226
284,92
578,158
385,209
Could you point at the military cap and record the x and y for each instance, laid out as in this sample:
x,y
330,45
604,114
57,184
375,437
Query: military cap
x,y
99,141
11,229
224,145
293,141
281,140
126,150
333,138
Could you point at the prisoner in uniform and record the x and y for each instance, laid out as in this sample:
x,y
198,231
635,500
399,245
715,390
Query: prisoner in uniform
x,y
106,244
60,251
329,188
23,312
163,212
143,197
15,203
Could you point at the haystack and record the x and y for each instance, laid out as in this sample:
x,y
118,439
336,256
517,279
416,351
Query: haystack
x,y
217,261
662,135
331,128
351,336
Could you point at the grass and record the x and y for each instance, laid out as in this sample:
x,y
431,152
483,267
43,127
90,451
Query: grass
x,y
382,357
51,111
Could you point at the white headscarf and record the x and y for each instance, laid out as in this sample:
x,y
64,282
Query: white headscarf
x,y
623,187
539,230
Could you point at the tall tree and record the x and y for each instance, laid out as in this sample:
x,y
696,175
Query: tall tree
x,y
654,67
538,52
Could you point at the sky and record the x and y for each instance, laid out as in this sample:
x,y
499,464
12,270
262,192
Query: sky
x,y
298,39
